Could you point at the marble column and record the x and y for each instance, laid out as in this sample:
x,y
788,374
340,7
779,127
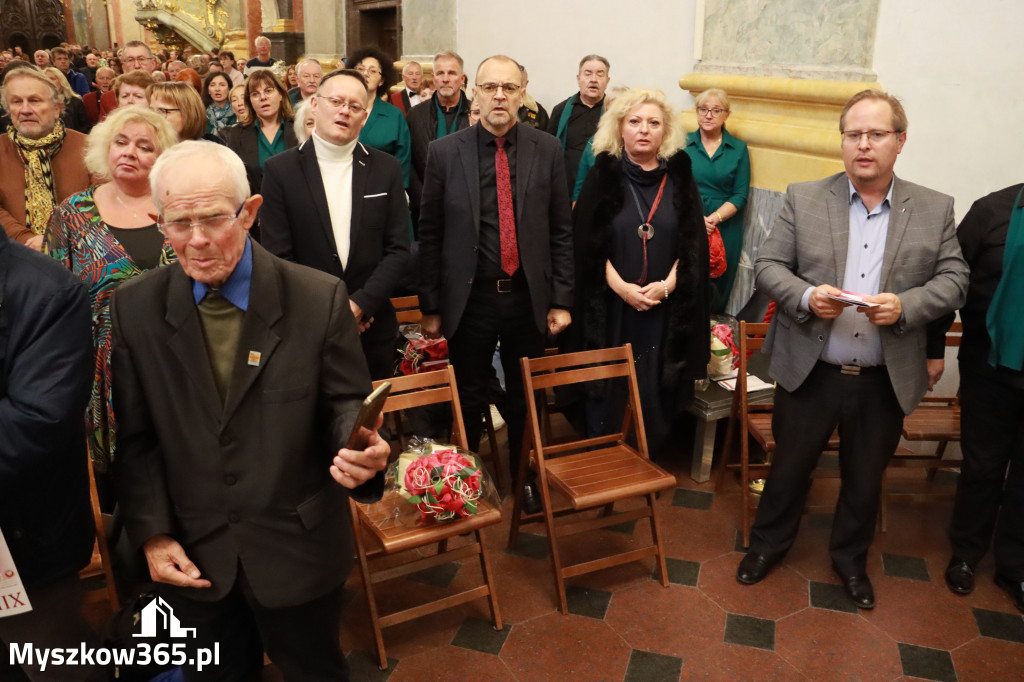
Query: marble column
x,y
788,67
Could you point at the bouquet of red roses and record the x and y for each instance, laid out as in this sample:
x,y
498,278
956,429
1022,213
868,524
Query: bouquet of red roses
x,y
443,485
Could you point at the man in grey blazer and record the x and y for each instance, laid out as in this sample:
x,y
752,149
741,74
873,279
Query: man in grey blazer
x,y
495,246
861,368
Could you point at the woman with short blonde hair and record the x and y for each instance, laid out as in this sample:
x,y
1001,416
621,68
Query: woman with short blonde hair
x,y
105,236
642,262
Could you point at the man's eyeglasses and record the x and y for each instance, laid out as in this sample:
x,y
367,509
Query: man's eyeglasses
x,y
335,103
490,88
212,227
716,112
874,136
135,60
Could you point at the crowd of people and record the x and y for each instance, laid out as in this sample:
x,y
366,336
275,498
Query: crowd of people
x,y
235,231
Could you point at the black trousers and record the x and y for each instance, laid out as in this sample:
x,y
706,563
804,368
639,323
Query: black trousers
x,y
302,641
988,501
870,420
491,317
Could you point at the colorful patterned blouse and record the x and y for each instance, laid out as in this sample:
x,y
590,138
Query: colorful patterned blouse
x,y
79,239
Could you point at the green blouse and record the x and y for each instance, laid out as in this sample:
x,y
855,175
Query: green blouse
x,y
722,177
268,149
387,131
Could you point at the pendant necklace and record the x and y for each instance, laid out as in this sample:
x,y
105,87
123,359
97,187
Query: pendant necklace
x,y
645,231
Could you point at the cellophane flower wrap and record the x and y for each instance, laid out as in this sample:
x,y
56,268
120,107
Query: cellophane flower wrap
x,y
724,352
442,482
419,353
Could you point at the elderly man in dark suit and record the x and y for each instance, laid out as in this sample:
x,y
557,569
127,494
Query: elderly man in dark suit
x,y
338,206
858,368
238,377
496,263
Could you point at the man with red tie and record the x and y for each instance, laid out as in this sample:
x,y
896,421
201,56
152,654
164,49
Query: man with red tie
x,y
498,267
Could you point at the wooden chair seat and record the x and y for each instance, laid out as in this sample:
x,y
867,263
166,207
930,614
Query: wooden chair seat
x,y
391,526
933,423
936,419
393,523
598,477
593,473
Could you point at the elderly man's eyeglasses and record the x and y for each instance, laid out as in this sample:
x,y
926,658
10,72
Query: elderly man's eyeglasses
x,y
490,88
335,103
874,136
716,112
135,60
212,226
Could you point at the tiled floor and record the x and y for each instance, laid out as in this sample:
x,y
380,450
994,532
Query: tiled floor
x,y
797,624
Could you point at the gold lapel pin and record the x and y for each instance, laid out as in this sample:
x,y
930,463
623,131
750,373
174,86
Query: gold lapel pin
x,y
254,358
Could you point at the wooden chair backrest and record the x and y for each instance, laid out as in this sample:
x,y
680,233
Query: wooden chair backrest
x,y
574,368
751,339
955,333
407,309
428,388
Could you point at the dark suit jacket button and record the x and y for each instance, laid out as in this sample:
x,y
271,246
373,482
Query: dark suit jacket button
x,y
470,282
230,480
821,337
225,441
233,517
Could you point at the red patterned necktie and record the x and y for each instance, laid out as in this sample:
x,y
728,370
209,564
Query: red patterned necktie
x,y
506,214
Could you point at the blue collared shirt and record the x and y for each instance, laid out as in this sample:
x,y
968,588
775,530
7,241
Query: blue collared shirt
x,y
236,288
854,340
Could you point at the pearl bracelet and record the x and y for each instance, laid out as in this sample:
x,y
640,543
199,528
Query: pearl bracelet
x,y
665,284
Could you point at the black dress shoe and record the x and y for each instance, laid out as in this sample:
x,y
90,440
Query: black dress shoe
x,y
754,567
859,588
531,498
960,576
1013,588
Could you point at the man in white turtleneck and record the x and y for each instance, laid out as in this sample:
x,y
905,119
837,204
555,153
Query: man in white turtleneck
x,y
338,206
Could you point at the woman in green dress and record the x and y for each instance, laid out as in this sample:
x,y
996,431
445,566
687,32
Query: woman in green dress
x,y
721,166
385,127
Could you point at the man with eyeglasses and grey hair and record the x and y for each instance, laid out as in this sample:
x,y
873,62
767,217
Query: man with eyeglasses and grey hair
x,y
498,259
135,55
336,205
310,73
858,264
238,378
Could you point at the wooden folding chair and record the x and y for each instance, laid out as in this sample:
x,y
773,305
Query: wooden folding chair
x,y
99,568
589,474
754,422
936,419
407,310
389,527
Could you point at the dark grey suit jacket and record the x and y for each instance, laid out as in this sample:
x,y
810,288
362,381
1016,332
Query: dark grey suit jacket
x,y
248,481
450,224
807,246
295,224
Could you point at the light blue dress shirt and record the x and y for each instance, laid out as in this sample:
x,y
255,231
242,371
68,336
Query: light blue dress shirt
x,y
854,340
